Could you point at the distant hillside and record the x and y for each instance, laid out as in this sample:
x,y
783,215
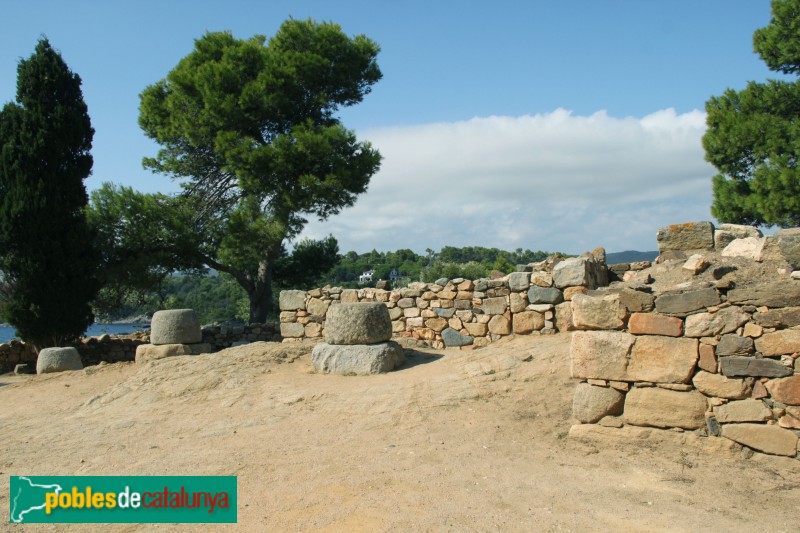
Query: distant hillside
x,y
630,256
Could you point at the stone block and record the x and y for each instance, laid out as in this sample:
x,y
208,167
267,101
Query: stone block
x,y
23,368
734,345
406,303
591,403
636,301
494,306
662,359
58,360
517,303
411,312
749,366
317,307
657,407
722,239
452,337
545,295
696,264
689,237
719,386
542,279
564,317
786,317
151,352
499,325
526,322
768,439
589,312
723,321
600,355
445,312
357,359
681,304
781,293
476,329
519,281
743,411
292,330
571,292
175,326
436,324
655,324
785,390
586,271
740,231
782,342
292,300
313,330
358,323
747,248
349,296
783,245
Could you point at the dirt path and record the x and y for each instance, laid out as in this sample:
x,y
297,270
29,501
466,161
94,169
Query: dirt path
x,y
454,441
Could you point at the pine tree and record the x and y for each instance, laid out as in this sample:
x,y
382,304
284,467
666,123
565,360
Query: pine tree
x,y
47,259
753,135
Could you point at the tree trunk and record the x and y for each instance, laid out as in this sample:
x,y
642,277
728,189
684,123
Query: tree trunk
x,y
258,286
261,295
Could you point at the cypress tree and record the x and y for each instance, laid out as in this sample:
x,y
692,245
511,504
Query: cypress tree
x,y
47,259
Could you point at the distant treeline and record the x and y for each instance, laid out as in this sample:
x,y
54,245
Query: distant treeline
x,y
469,262
216,297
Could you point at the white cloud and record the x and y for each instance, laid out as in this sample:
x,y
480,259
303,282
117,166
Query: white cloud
x,y
552,181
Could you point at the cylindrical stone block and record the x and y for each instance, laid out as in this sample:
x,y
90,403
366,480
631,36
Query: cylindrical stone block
x,y
58,360
358,323
175,326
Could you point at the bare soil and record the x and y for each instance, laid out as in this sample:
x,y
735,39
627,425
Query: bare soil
x,y
453,441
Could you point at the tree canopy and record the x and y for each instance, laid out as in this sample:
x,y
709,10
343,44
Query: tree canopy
x,y
753,135
47,260
249,127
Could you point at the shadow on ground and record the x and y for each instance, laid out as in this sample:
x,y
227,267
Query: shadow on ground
x,y
416,358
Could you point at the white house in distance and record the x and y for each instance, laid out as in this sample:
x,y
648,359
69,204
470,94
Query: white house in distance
x,y
369,275
366,277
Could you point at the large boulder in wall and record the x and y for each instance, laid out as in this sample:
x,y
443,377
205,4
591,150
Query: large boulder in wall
x,y
690,237
58,360
175,326
357,323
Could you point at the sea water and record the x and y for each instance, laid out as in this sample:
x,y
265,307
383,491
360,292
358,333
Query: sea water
x,y
7,332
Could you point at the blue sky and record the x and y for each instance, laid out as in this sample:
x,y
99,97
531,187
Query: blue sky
x,y
540,124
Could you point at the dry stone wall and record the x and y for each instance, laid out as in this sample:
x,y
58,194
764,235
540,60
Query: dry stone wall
x,y
709,343
459,312
113,349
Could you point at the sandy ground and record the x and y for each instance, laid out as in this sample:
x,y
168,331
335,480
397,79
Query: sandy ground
x,y
453,441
